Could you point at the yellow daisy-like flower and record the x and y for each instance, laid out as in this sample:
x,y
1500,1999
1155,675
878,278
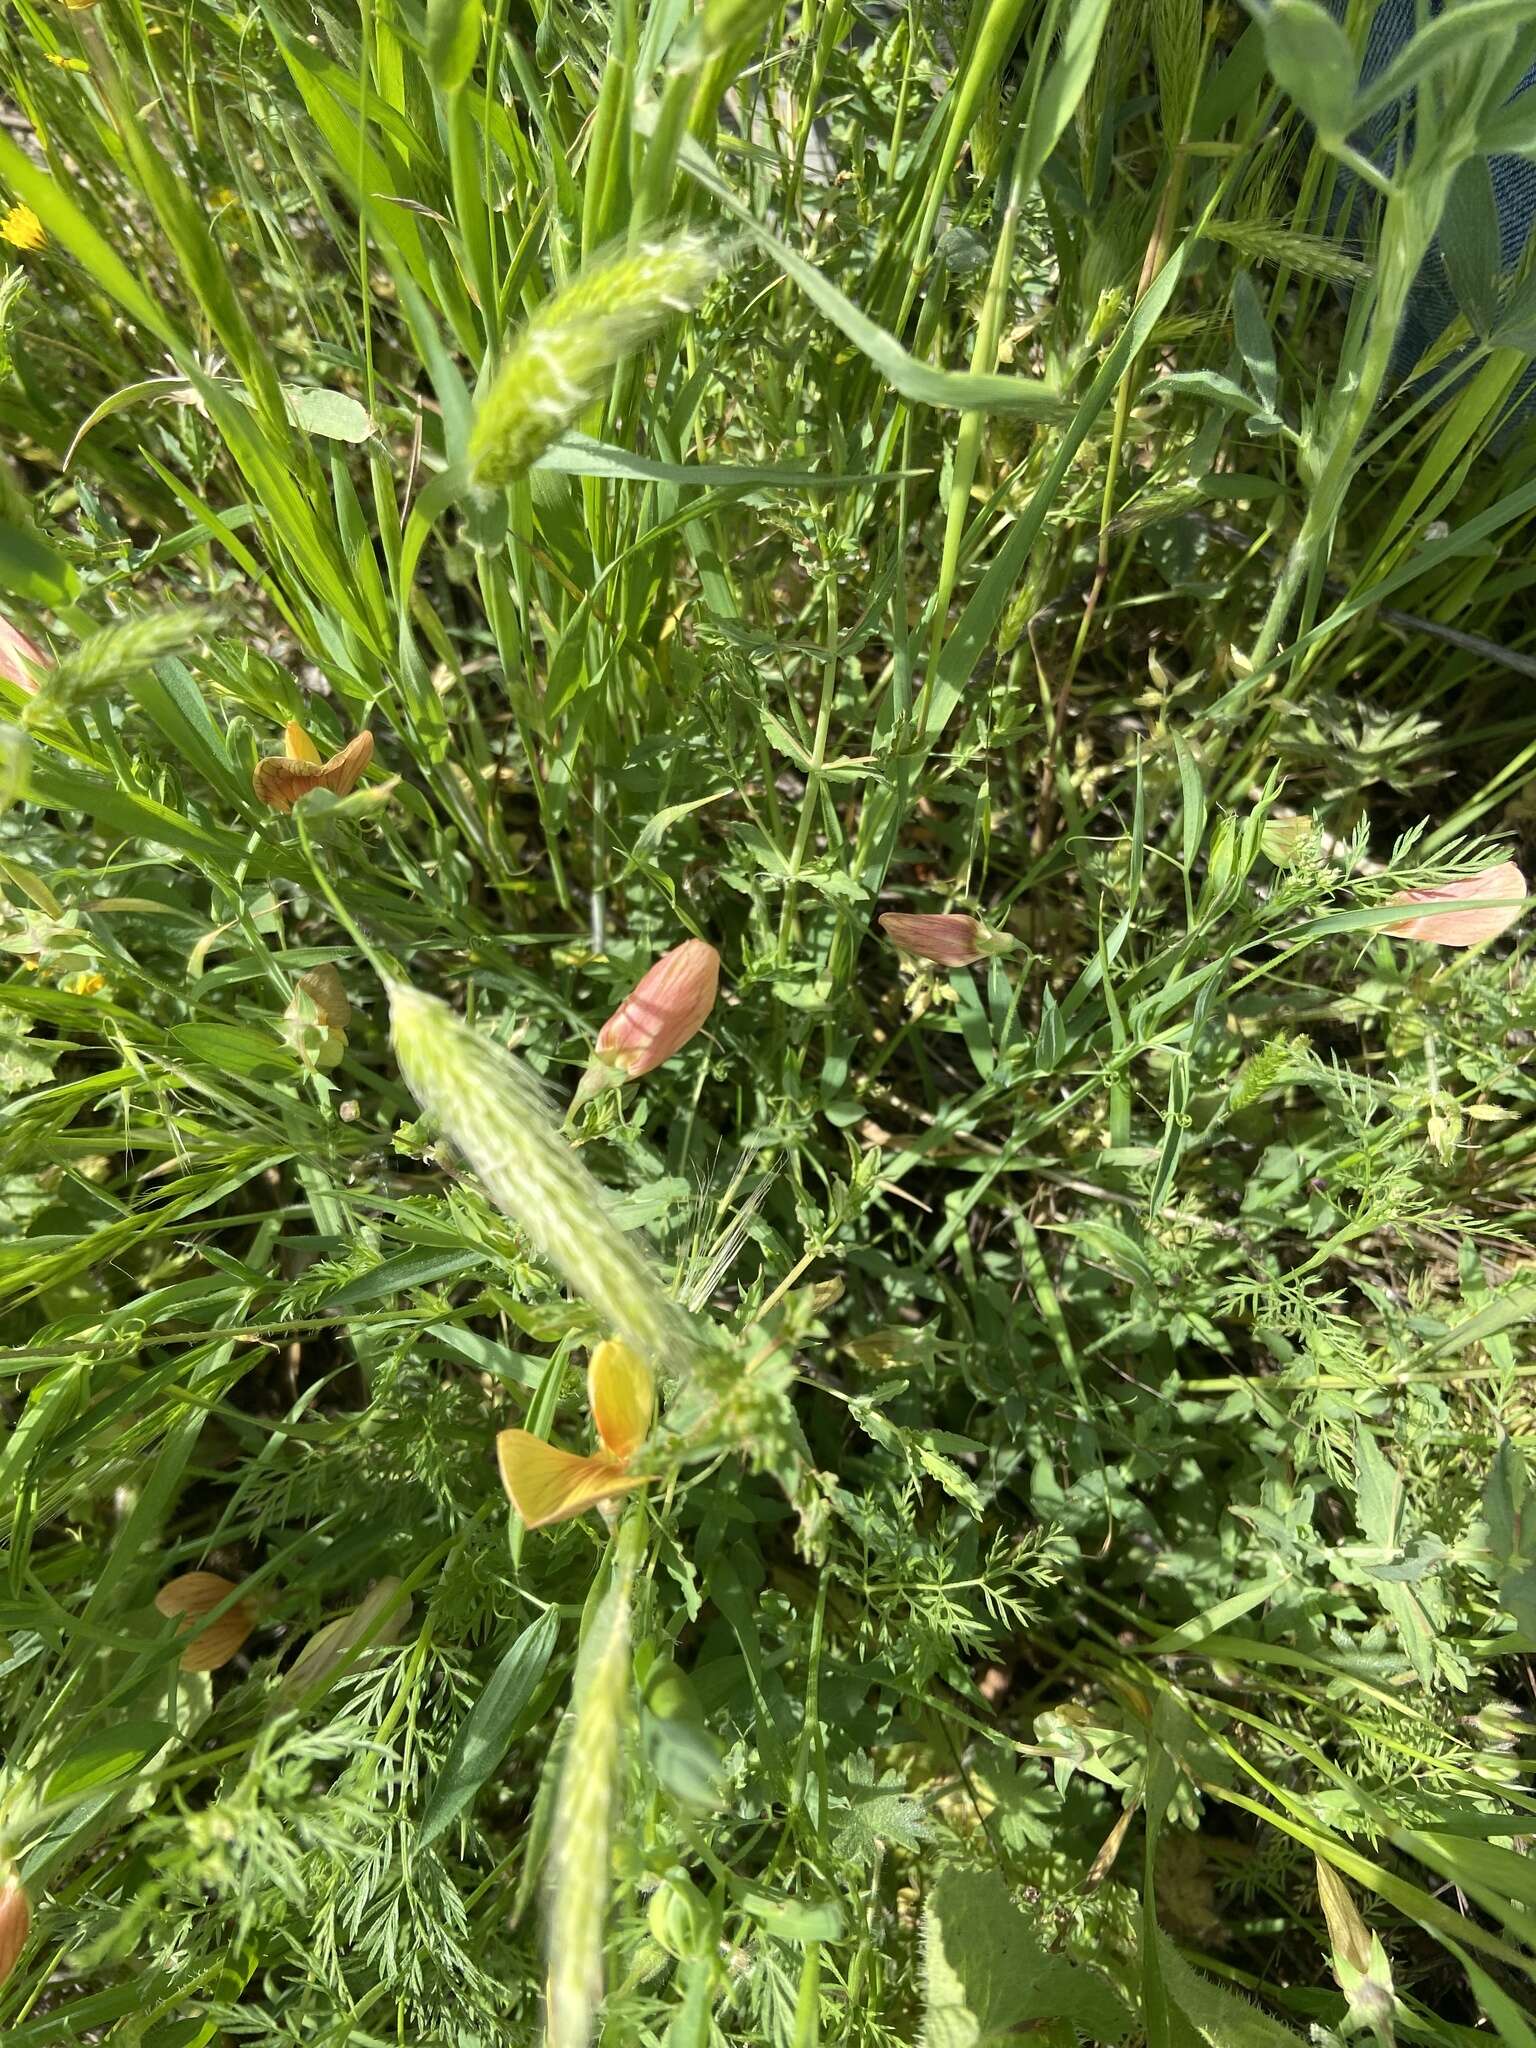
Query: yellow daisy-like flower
x,y
22,229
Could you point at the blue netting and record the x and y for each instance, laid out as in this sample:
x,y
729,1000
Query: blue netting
x,y
1432,305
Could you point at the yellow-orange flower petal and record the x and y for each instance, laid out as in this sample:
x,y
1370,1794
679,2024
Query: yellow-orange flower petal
x,y
279,780
1476,908
300,746
621,1392
190,1599
546,1484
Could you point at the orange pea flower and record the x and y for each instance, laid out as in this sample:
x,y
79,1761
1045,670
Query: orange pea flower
x,y
546,1484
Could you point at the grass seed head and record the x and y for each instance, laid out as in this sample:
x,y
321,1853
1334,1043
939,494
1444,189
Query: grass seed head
x,y
486,1102
562,359
578,1908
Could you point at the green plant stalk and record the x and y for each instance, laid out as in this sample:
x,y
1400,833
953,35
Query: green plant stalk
x,y
1411,217
968,438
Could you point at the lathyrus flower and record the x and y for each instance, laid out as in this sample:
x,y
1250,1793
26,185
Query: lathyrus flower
x,y
20,662
15,1922
656,1019
1476,908
947,938
191,1599
546,1484
279,780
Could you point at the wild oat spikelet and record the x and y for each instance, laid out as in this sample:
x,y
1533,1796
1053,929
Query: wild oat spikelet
x,y
485,1101
578,1907
564,356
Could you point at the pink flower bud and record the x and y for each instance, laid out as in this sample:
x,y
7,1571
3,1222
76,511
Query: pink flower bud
x,y
15,1923
20,662
656,1019
1495,899
948,940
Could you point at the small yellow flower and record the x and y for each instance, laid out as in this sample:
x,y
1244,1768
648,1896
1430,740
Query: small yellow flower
x,y
22,229
87,983
68,63
222,196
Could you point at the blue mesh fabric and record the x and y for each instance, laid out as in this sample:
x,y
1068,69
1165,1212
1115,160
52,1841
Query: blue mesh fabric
x,y
1432,305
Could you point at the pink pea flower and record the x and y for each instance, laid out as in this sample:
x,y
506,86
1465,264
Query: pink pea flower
x,y
1495,900
947,939
20,662
15,1923
656,1019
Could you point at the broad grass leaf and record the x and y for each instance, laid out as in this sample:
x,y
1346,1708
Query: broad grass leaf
x,y
453,38
31,568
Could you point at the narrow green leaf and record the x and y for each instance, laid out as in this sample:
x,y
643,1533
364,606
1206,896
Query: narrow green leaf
x,y
491,1726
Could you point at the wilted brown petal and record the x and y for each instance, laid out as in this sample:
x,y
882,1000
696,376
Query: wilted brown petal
x,y
344,770
1493,900
190,1599
327,991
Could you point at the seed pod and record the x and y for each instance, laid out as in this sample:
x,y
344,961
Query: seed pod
x,y
15,765
946,938
490,1107
279,780
1476,908
656,1019
669,1693
377,1621
15,1923
191,1598
681,1919
566,353
316,1020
